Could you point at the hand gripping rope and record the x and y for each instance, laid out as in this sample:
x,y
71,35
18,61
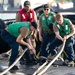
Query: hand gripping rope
x,y
39,72
4,72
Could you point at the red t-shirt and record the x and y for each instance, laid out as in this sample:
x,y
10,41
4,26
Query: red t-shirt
x,y
27,17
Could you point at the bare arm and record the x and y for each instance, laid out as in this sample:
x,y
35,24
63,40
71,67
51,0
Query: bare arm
x,y
40,30
56,31
21,36
35,17
29,42
24,33
72,30
18,17
32,50
20,40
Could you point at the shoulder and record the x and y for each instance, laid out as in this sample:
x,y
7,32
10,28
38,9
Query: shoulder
x,y
52,13
21,10
24,31
67,20
42,15
55,23
18,14
32,10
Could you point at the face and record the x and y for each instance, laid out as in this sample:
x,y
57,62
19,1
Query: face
x,y
26,8
46,11
32,28
60,21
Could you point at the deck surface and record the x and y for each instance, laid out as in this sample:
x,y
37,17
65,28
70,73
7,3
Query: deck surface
x,y
29,70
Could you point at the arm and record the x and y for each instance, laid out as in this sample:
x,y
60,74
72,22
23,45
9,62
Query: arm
x,y
20,40
24,33
40,30
56,31
21,36
18,17
30,43
35,17
72,30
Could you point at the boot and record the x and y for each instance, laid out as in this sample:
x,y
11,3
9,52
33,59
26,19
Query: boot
x,y
13,68
71,63
42,60
33,58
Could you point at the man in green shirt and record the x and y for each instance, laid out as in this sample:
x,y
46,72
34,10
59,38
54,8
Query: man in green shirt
x,y
64,30
14,34
46,34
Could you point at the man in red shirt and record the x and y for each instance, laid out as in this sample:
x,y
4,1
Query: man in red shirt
x,y
26,13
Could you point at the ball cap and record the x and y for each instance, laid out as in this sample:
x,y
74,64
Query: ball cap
x,y
27,3
46,6
34,24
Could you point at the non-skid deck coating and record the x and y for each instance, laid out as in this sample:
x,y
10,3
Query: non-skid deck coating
x,y
29,70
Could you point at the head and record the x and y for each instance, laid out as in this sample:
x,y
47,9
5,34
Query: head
x,y
27,5
46,9
59,18
33,26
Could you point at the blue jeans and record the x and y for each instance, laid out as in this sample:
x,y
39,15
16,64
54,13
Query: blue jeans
x,y
47,38
11,40
68,47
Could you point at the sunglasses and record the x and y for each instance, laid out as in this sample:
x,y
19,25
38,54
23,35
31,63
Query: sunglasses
x,y
46,9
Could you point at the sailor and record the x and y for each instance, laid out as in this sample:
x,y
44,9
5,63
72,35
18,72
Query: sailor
x,y
46,34
64,30
13,34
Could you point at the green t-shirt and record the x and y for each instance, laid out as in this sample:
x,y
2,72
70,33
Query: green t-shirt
x,y
64,30
13,28
47,21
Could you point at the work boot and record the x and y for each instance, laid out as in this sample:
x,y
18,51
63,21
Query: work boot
x,y
65,63
33,59
71,63
41,60
30,63
14,68
51,57
22,62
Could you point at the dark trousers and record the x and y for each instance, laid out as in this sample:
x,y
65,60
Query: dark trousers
x,y
47,38
11,40
74,42
68,47
27,55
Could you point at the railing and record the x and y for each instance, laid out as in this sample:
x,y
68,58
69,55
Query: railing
x,y
9,20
